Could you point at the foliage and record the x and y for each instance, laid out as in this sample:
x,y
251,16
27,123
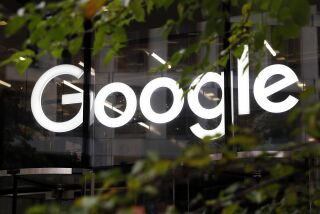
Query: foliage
x,y
283,188
63,24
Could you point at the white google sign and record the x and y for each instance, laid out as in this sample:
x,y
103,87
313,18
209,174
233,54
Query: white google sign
x,y
260,90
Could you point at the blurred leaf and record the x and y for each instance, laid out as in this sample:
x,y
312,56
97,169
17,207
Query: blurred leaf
x,y
294,114
86,203
75,45
109,56
246,8
307,93
232,188
134,184
317,202
281,210
238,51
171,210
111,177
224,60
15,24
244,140
312,115
162,167
3,23
281,170
35,20
98,42
291,197
230,209
150,189
150,5
175,58
137,9
167,28
137,167
57,52
153,156
44,209
132,210
23,65
272,190
37,209
256,196
91,7
234,3
259,36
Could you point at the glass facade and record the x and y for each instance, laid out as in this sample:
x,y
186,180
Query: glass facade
x,y
24,144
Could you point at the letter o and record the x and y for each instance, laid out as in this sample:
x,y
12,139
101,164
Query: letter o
x,y
100,102
147,92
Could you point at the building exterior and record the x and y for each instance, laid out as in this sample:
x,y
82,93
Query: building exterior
x,y
40,165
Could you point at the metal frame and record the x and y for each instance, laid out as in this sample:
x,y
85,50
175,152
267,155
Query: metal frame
x,y
43,171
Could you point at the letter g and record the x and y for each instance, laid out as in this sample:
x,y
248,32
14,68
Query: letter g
x,y
36,98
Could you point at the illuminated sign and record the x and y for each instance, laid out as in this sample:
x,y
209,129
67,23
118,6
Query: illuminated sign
x,y
260,90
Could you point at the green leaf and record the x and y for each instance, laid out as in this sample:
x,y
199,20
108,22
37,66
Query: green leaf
x,y
20,55
57,53
150,5
137,9
34,21
99,38
14,25
294,114
281,170
119,36
138,166
291,30
44,43
307,93
37,209
78,22
175,58
75,45
259,36
171,210
232,188
263,4
272,190
301,9
234,3
180,9
317,202
57,33
87,203
108,57
150,189
291,197
23,65
223,60
246,8
230,209
163,3
162,167
238,51
168,27
256,196
134,184
276,5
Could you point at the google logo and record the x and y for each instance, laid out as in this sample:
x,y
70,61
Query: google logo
x,y
260,90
